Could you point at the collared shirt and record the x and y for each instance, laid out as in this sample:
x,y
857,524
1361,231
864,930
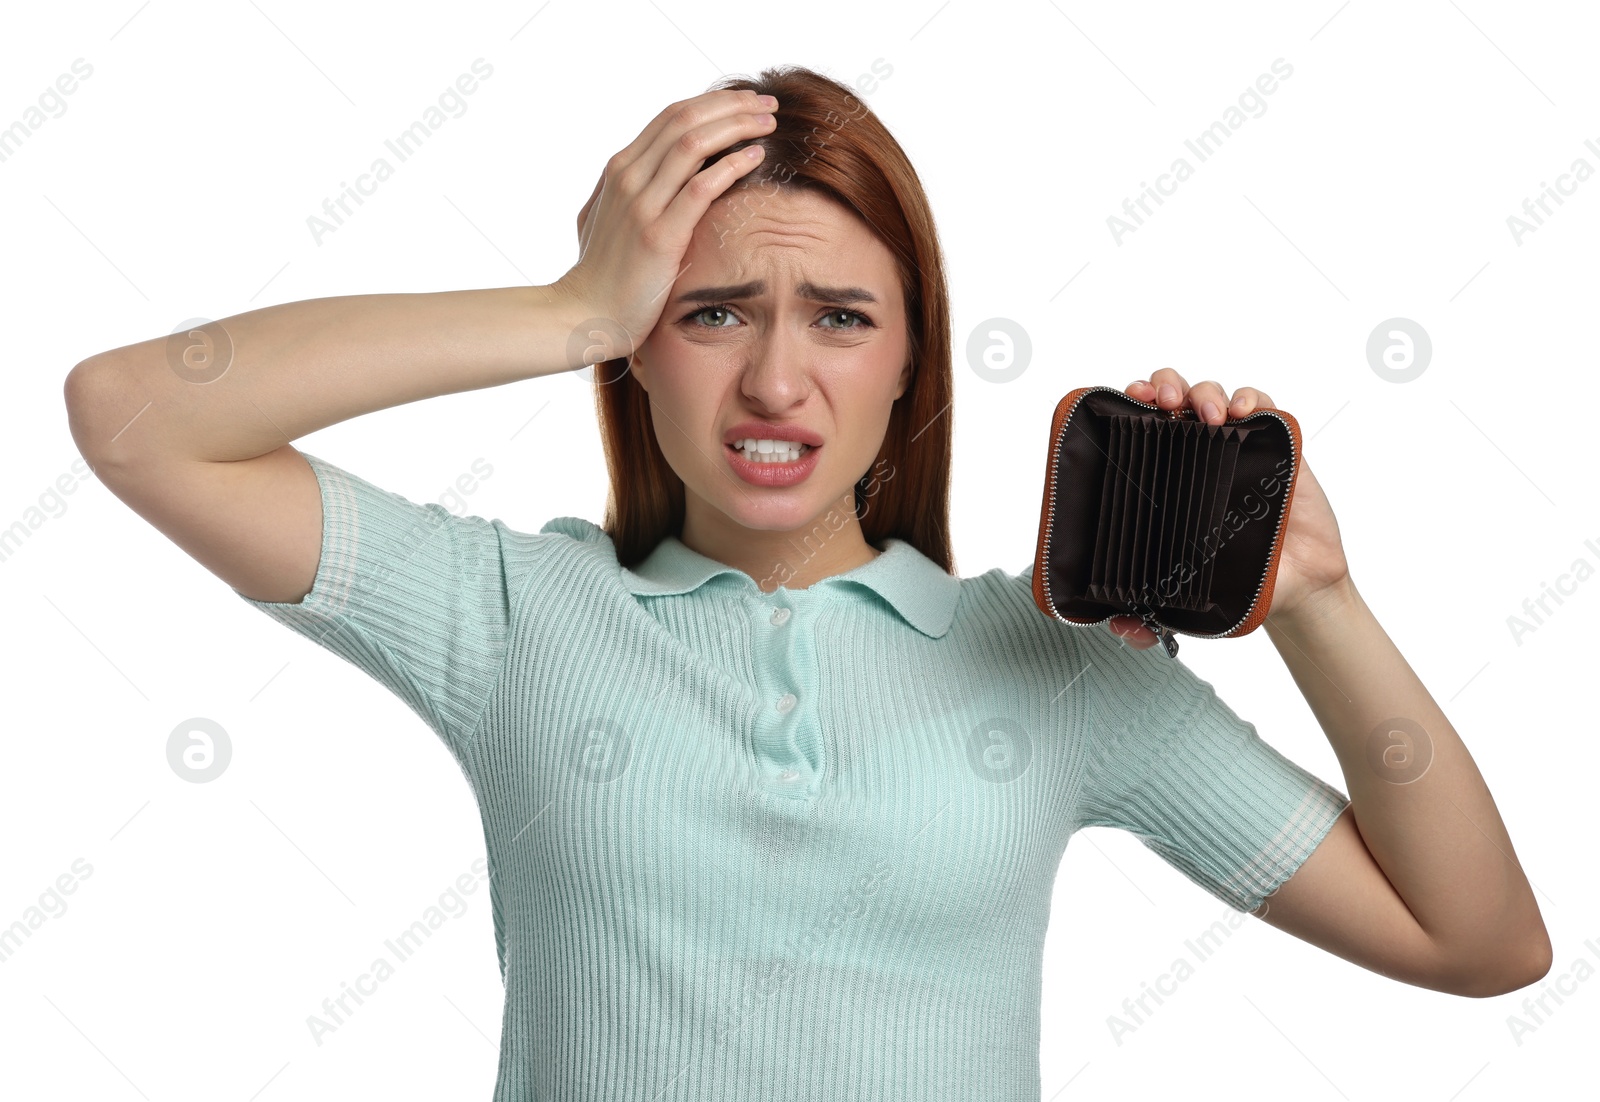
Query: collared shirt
x,y
800,842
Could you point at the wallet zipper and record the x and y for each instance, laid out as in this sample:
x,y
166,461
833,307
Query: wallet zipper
x,y
1168,638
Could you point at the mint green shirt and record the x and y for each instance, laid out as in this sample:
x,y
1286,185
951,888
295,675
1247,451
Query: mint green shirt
x,y
797,844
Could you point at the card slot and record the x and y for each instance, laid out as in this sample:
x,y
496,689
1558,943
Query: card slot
x,y
1124,531
1172,509
1192,516
1169,583
1183,490
1118,446
1160,512
1142,514
1232,437
1108,487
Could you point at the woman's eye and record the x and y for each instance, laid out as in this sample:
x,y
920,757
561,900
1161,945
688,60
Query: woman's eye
x,y
711,310
861,318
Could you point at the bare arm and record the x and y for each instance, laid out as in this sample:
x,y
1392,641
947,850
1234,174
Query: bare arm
x,y
1420,880
249,384
194,432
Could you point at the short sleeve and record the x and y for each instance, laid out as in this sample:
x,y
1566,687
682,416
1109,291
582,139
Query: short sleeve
x,y
414,595
1170,762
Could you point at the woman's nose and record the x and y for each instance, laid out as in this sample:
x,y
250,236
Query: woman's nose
x,y
776,372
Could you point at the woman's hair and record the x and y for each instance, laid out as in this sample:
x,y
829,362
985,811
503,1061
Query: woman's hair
x,y
828,141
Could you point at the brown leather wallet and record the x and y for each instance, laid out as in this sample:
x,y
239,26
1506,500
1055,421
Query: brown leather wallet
x,y
1154,513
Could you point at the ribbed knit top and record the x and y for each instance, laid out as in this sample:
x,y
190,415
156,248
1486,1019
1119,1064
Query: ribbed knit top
x,y
797,844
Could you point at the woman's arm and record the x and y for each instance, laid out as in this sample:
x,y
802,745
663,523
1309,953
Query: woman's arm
x,y
1419,880
251,383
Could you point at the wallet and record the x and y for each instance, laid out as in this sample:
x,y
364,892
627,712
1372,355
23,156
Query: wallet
x,y
1155,513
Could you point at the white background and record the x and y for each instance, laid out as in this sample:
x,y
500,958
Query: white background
x,y
1376,184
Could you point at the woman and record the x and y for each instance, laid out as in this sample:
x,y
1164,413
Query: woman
x,y
773,801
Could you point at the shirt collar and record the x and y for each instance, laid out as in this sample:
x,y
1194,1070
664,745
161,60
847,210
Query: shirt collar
x,y
915,586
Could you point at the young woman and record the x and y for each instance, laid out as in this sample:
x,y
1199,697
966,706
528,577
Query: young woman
x,y
773,800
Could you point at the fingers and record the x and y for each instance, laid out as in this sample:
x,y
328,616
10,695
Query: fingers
x,y
1167,389
657,164
1131,630
683,190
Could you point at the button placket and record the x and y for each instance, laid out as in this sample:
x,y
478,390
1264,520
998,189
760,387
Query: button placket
x,y
784,738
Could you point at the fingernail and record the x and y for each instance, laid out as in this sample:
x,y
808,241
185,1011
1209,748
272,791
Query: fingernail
x,y
1208,410
1168,393
768,101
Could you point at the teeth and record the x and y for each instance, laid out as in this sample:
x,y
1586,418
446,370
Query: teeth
x,y
771,451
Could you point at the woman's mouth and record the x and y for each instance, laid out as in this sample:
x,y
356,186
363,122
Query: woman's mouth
x,y
783,463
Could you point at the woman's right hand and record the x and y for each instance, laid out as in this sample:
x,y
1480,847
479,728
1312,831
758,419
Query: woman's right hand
x,y
638,222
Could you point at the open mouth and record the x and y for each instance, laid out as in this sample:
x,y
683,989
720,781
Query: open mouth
x,y
778,452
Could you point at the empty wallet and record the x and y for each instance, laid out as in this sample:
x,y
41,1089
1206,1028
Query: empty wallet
x,y
1156,514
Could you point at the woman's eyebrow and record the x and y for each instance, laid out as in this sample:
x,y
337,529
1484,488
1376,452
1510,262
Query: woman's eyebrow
x,y
811,292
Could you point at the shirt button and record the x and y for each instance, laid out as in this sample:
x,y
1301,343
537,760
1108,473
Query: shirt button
x,y
785,702
780,616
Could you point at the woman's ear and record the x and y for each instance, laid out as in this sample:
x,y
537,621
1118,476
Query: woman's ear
x,y
906,374
636,366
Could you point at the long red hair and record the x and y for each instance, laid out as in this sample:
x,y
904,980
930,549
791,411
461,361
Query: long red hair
x,y
829,141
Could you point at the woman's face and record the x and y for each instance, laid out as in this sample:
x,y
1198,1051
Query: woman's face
x,y
787,310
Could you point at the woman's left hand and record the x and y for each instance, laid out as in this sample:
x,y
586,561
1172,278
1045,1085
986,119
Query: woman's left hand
x,y
1311,566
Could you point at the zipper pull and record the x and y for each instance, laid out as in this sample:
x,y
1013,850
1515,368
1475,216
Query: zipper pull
x,y
1169,639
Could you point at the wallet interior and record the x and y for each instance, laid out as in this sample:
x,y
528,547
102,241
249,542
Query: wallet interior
x,y
1170,515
